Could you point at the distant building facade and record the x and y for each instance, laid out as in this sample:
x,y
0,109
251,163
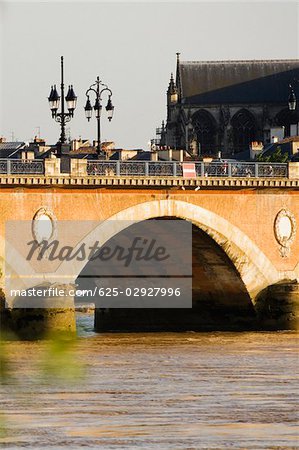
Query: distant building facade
x,y
223,106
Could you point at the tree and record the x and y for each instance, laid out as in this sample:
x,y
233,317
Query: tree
x,y
276,156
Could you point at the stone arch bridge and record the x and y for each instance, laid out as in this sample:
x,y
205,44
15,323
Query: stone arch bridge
x,y
244,231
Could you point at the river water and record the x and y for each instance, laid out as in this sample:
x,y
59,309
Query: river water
x,y
154,391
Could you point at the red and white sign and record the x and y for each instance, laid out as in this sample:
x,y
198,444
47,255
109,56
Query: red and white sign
x,y
189,170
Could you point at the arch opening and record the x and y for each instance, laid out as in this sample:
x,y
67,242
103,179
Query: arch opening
x,y
220,300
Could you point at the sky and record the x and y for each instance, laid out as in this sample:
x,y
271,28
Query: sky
x,y
132,48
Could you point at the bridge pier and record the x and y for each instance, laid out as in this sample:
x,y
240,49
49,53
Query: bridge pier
x,y
4,328
38,323
278,306
56,316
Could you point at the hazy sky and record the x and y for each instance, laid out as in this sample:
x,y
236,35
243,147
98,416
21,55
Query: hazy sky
x,y
132,47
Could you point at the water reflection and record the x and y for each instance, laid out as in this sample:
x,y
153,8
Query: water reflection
x,y
162,391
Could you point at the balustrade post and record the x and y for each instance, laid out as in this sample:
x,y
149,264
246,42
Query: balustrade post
x,y
256,170
8,166
292,170
117,169
174,171
146,168
229,169
202,169
52,166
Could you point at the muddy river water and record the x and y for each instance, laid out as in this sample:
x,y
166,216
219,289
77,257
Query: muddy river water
x,y
154,391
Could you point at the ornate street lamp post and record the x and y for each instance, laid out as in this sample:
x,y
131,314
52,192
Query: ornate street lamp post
x,y
62,117
98,88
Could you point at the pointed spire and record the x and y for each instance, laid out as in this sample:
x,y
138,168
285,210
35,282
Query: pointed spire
x,y
171,87
172,92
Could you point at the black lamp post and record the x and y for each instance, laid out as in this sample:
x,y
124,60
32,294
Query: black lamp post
x,y
62,117
96,88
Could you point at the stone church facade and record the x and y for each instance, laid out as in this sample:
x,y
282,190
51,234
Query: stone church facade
x,y
223,106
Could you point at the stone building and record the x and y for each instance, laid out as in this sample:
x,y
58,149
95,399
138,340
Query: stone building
x,y
223,106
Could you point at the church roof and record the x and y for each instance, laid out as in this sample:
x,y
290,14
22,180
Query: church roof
x,y
253,81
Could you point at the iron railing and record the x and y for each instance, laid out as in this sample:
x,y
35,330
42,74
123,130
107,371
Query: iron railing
x,y
3,166
175,169
155,168
22,166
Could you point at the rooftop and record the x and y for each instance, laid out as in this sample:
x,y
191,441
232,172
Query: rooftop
x,y
10,149
248,81
11,145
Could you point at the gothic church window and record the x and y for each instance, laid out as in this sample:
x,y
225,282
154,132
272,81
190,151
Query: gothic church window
x,y
244,130
204,126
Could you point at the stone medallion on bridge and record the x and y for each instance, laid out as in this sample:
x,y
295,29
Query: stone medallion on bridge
x,y
285,231
43,225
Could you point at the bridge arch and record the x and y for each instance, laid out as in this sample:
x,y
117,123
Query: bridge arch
x,y
255,269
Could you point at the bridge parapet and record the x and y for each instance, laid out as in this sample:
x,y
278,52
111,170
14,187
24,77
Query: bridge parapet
x,y
82,167
149,173
233,169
